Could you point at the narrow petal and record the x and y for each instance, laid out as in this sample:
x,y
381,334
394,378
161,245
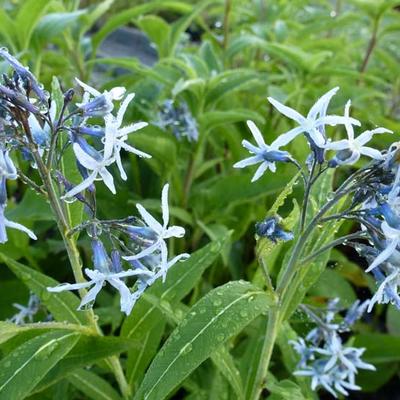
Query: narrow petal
x,y
91,294
287,137
107,179
339,145
337,120
248,161
260,171
131,149
126,302
370,152
69,286
88,88
164,205
15,225
146,252
84,158
80,187
384,255
287,111
317,137
149,219
250,147
321,104
118,161
126,130
389,232
256,133
366,136
123,108
174,231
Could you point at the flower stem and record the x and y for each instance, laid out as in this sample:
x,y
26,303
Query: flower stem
x,y
73,253
266,352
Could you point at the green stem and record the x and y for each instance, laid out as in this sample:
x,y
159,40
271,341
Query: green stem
x,y
73,254
371,45
266,352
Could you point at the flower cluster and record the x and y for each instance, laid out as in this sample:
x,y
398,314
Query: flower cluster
x,y
374,190
31,123
313,127
323,356
179,119
28,312
141,243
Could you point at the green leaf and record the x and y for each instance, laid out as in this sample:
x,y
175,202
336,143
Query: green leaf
x,y
130,14
52,25
201,332
93,15
230,81
92,386
180,26
9,330
27,18
24,368
90,349
7,28
211,119
380,348
63,306
393,320
158,31
332,283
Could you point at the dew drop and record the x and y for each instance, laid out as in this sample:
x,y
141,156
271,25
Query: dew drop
x,y
187,348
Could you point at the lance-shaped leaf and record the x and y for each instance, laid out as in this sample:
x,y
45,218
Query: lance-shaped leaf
x,y
23,369
63,306
218,316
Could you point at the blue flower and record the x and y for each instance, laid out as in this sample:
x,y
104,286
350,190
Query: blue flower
x,y
101,104
265,154
160,232
350,150
313,124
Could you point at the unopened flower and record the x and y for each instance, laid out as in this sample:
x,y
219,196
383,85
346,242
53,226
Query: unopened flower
x,y
271,229
24,72
102,103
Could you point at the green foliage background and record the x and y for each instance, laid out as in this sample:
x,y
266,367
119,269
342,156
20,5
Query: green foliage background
x,y
223,58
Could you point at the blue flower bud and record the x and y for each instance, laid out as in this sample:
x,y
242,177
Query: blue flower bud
x,y
101,261
270,229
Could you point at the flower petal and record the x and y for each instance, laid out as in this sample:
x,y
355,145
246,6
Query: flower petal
x,y
256,133
149,219
321,104
287,111
124,106
88,88
260,171
248,161
287,137
15,225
